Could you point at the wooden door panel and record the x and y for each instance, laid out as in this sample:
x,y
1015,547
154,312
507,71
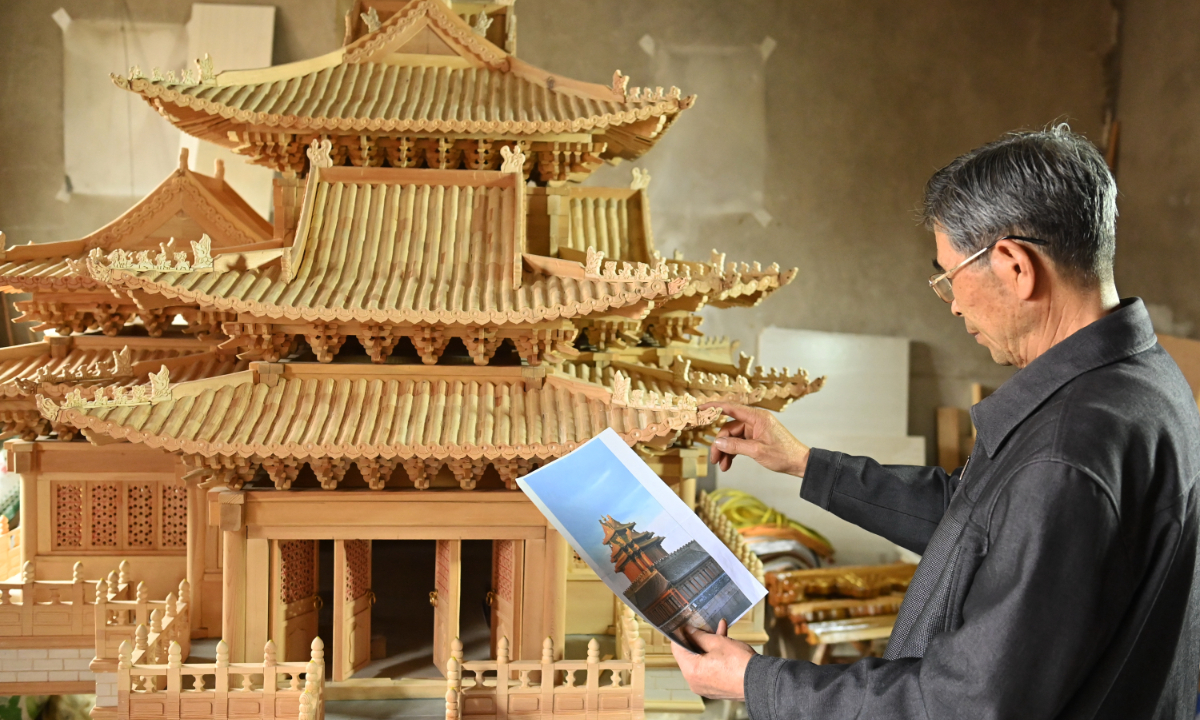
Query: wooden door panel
x,y
294,597
507,561
352,606
446,580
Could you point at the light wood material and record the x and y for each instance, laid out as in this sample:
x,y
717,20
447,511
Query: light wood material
x,y
352,601
581,693
258,594
48,688
233,600
508,559
955,435
295,602
265,689
447,583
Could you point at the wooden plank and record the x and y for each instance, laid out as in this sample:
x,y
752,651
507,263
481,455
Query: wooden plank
x,y
414,532
49,641
532,601
389,509
233,600
554,614
340,644
122,458
258,573
48,688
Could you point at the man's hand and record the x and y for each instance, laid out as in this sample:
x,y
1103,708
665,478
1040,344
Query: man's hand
x,y
720,672
757,434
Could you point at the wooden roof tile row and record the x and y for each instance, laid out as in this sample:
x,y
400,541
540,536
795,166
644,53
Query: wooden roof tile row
x,y
378,84
384,245
379,412
184,205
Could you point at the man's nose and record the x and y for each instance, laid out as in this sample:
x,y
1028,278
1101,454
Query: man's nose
x,y
954,308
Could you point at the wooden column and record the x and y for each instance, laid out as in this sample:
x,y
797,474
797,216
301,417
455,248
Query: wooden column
x,y
687,491
258,596
533,600
197,521
23,460
233,597
555,603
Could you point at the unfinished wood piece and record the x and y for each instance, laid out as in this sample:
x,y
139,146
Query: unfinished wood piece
x,y
447,580
352,601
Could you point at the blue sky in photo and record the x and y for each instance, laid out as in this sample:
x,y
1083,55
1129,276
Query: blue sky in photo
x,y
591,482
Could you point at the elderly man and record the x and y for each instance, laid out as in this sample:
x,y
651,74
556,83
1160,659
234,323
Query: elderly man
x,y
1059,568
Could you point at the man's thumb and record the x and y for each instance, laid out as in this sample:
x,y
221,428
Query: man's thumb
x,y
705,641
738,446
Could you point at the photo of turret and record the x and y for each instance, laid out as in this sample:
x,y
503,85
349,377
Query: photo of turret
x,y
672,589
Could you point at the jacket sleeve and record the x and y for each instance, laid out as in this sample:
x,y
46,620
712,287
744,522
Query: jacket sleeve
x,y
903,503
1044,600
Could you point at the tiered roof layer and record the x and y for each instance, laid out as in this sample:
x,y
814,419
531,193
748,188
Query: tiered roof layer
x,y
424,71
185,206
384,245
322,411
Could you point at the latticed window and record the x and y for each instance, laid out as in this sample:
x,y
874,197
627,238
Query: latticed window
x,y
117,515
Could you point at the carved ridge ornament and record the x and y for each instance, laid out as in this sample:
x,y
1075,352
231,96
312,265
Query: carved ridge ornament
x,y
368,45
514,159
101,266
624,396
320,151
157,391
119,366
595,268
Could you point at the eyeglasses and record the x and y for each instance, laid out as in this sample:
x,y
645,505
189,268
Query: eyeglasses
x,y
941,282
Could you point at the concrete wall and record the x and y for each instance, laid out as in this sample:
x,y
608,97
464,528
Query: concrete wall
x,y
864,101
1158,172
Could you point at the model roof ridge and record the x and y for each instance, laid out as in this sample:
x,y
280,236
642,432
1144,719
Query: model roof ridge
x,y
57,365
309,418
208,200
376,86
382,251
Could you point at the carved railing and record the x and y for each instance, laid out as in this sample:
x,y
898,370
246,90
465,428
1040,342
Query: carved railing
x,y
174,690
532,689
150,625
10,550
711,515
52,608
631,629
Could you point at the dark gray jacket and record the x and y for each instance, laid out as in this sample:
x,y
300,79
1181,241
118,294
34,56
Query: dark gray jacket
x,y
1060,576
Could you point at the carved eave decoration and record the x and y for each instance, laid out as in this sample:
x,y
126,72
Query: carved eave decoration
x,y
426,65
210,205
58,366
704,381
278,417
353,266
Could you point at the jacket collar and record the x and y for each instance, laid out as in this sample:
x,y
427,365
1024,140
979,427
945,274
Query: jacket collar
x,y
1122,333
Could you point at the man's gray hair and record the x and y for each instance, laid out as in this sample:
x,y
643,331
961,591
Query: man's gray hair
x,y
1049,184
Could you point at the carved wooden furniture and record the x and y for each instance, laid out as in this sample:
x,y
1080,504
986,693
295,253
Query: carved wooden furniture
x,y
853,604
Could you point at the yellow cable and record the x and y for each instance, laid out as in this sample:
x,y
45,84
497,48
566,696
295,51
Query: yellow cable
x,y
744,510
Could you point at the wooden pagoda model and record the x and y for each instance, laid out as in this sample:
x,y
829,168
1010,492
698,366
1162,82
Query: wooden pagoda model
x,y
437,309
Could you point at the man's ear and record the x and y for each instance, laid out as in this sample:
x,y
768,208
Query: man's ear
x,y
1017,267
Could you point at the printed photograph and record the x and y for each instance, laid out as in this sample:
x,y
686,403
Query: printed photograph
x,y
634,544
